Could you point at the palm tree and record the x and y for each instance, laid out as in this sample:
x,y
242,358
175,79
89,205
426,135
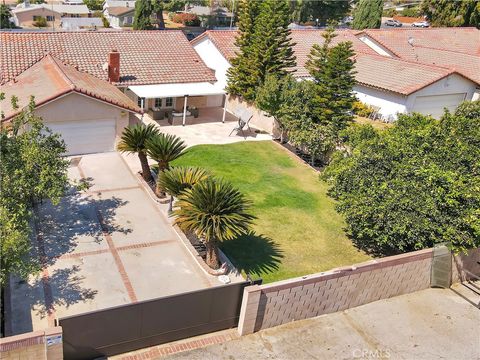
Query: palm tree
x,y
133,141
164,148
215,211
177,179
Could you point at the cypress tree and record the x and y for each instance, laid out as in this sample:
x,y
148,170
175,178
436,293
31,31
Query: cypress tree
x,y
143,13
368,15
332,68
240,74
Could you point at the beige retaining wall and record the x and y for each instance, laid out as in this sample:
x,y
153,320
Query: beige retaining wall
x,y
277,303
259,119
36,345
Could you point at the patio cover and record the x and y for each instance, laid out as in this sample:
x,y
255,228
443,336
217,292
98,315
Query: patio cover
x,y
176,90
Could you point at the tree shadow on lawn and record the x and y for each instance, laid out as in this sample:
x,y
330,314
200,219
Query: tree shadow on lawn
x,y
254,254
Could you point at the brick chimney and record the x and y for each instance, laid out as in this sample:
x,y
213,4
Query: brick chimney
x,y
114,66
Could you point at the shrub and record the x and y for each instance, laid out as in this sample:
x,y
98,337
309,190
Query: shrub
x,y
106,23
41,22
186,19
362,109
411,12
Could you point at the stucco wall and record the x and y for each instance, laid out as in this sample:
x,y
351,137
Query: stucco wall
x,y
390,103
259,120
25,18
76,107
214,59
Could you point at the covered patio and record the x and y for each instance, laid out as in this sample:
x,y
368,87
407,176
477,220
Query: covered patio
x,y
181,103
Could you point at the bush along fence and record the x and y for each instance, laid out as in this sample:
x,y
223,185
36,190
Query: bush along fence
x,y
265,306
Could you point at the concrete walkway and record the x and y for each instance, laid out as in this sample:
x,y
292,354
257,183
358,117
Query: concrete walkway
x,y
105,247
429,324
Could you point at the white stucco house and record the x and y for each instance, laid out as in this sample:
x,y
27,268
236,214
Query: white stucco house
x,y
398,70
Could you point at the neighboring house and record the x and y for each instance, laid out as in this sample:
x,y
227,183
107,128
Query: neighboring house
x,y
72,2
118,3
211,16
108,74
398,71
119,17
25,14
81,23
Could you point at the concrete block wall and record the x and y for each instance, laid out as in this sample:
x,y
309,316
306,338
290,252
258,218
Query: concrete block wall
x,y
37,345
278,303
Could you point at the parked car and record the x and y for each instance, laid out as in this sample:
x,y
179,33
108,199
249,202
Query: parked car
x,y
422,24
391,22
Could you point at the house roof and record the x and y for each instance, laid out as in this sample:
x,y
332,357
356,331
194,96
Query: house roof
x,y
146,57
303,39
49,79
403,77
120,3
59,8
120,10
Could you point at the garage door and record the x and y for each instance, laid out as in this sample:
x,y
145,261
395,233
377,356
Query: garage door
x,y
433,105
85,137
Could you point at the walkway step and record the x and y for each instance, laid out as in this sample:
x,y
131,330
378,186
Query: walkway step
x,y
159,351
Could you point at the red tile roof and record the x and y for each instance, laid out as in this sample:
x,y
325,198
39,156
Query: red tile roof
x,y
119,10
224,40
146,57
396,75
49,79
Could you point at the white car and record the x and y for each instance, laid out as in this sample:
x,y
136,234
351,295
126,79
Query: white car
x,y
422,24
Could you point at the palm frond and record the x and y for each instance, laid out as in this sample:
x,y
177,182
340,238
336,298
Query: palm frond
x,y
165,148
176,180
134,137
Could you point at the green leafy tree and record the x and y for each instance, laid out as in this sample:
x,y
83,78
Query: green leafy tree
x,y
411,186
134,140
94,5
5,16
452,13
323,10
215,211
164,148
332,69
31,169
241,74
143,14
158,7
176,180
368,15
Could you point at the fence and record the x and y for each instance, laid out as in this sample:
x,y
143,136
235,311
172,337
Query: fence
x,y
36,345
130,327
277,303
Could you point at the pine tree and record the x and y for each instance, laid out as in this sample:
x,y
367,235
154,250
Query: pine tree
x,y
240,74
5,16
332,68
143,13
368,15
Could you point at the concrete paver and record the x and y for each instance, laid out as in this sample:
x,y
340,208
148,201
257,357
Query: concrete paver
x,y
105,247
429,324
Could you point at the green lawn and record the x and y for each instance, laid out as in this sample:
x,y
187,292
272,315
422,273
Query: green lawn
x,y
298,231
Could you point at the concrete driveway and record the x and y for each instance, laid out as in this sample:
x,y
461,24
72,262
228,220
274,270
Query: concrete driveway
x,y
104,247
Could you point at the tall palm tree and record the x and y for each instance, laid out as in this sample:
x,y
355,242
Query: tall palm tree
x,y
215,211
177,179
164,148
133,141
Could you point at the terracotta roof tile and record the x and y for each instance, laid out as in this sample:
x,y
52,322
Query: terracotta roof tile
x,y
49,78
146,57
224,40
396,75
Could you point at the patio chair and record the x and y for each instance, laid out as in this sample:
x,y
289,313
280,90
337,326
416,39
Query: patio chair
x,y
243,122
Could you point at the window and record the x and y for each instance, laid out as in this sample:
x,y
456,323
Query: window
x,y
50,18
158,103
169,102
140,102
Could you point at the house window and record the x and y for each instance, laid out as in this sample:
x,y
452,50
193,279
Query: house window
x,y
168,102
50,18
158,103
140,102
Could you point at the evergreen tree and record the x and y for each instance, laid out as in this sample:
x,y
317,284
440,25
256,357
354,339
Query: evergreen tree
x,y
143,13
5,16
332,68
240,74
452,13
368,15
323,10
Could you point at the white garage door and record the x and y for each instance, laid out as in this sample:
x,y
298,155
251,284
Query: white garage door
x,y
433,105
85,137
